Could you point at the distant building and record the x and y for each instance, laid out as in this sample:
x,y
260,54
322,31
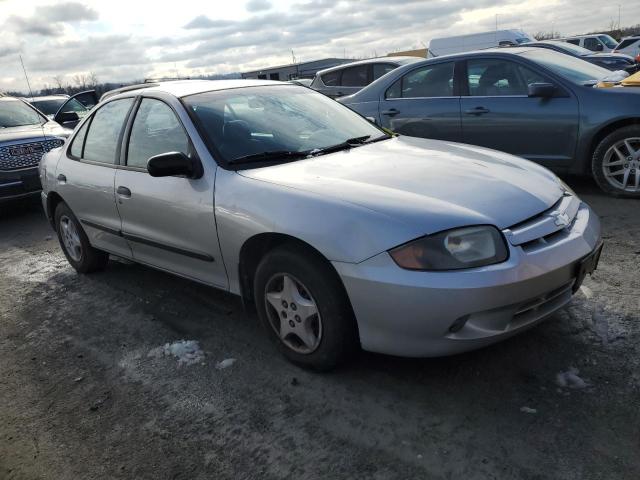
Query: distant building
x,y
420,52
295,70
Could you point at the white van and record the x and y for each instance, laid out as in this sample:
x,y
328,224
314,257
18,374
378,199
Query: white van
x,y
629,46
477,41
598,42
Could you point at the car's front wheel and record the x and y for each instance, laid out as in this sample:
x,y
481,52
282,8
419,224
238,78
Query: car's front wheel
x,y
304,308
75,244
616,162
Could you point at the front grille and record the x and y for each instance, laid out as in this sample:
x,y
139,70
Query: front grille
x,y
25,155
546,228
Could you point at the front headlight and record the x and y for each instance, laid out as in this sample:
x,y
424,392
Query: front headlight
x,y
453,249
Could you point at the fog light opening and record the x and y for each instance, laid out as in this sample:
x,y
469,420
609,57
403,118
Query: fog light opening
x,y
458,324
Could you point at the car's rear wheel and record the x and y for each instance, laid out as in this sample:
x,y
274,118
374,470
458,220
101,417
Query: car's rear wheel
x,y
75,244
304,308
616,162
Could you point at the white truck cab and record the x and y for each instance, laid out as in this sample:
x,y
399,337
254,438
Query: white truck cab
x,y
597,42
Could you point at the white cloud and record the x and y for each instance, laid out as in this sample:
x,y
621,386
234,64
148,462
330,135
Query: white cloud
x,y
122,40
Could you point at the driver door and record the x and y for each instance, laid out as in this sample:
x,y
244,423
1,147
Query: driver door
x,y
75,109
168,221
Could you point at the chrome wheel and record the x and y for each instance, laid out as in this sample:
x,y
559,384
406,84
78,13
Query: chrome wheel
x,y
621,165
292,313
70,238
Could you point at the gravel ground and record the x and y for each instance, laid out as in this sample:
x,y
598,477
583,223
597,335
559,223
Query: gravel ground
x,y
81,398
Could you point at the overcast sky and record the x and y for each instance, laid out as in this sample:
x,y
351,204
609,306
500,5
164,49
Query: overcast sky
x,y
122,40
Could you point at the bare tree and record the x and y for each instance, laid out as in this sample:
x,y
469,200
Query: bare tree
x,y
93,79
80,80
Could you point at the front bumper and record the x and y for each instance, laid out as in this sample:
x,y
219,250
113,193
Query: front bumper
x,y
19,184
424,314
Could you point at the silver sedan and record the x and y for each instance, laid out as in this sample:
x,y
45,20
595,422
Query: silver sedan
x,y
338,234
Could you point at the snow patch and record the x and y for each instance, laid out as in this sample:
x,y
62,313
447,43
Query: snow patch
x,y
570,379
586,291
187,352
528,410
226,363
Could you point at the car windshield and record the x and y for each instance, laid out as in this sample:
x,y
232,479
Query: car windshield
x,y
573,69
253,122
608,41
48,107
15,113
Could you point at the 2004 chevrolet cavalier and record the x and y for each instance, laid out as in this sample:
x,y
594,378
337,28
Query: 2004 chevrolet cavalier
x,y
339,234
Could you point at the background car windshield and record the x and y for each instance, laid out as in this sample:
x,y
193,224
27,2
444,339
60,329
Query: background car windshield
x,y
14,113
247,121
571,68
48,107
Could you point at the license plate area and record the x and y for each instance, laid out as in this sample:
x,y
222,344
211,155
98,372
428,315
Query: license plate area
x,y
587,265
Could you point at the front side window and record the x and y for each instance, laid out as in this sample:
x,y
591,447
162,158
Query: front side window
x,y
429,81
281,118
608,41
101,143
155,130
591,43
15,113
355,76
494,78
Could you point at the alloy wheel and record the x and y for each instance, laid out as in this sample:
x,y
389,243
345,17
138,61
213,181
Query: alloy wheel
x,y
293,313
70,238
621,165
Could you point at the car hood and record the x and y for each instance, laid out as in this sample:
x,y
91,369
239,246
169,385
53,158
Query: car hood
x,y
32,132
430,185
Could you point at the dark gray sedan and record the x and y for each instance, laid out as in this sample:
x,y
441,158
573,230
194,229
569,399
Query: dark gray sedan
x,y
532,102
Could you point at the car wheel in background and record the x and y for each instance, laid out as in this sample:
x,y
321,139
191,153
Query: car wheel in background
x,y
616,162
75,244
304,308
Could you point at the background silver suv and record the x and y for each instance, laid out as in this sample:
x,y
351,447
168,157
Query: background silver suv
x,y
348,78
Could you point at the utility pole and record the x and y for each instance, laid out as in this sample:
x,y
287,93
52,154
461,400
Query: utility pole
x,y
619,8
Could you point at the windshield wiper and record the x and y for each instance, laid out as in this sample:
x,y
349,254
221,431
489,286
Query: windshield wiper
x,y
347,144
265,156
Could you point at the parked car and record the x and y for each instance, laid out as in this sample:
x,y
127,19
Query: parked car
x,y
531,102
65,110
348,78
599,42
610,61
25,135
629,46
339,234
477,41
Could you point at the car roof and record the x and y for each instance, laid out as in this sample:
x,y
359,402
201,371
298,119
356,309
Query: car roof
x,y
49,97
399,60
183,88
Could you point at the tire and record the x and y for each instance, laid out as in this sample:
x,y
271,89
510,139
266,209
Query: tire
x,y
75,244
623,160
331,333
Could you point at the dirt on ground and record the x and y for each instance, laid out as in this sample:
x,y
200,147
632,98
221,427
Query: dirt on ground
x,y
81,397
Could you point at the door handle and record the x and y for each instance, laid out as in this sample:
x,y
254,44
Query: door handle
x,y
123,192
391,112
62,178
477,111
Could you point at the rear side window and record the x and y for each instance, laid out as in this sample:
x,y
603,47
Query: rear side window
x,y
156,130
574,41
331,79
627,43
101,144
78,141
591,43
355,76
380,69
494,78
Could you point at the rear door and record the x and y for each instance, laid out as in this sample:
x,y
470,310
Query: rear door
x,y
169,221
86,176
498,113
424,103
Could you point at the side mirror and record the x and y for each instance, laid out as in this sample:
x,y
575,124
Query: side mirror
x,y
599,47
173,163
542,90
66,117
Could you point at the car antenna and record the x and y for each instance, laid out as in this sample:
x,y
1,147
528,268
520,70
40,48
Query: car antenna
x,y
44,136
